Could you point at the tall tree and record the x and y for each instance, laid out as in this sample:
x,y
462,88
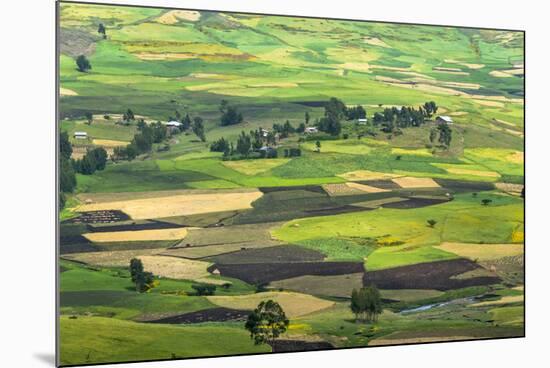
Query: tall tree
x,y
101,30
65,147
267,322
244,144
307,117
198,128
230,114
83,64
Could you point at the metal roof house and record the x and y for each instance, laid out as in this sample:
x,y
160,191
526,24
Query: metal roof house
x,y
362,121
80,135
443,119
311,130
173,123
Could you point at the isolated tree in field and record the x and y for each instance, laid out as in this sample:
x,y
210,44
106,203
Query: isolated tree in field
x,y
143,280
83,64
366,303
318,146
244,144
204,289
445,135
486,202
101,30
128,115
267,322
433,135
65,147
198,128
186,122
431,222
89,117
230,114
306,117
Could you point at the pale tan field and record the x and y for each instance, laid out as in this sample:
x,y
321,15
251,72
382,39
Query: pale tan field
x,y
341,189
459,171
335,285
489,103
467,65
67,92
409,295
366,188
458,113
367,175
164,56
117,258
514,189
504,300
174,16
126,196
411,182
482,252
375,42
178,268
79,152
294,304
178,205
416,340
109,143
138,235
214,250
379,202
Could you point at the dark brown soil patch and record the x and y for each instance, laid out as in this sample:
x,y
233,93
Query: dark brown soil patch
x,y
310,188
336,210
277,254
282,346
149,225
415,203
207,315
263,273
102,217
382,184
75,244
464,186
432,275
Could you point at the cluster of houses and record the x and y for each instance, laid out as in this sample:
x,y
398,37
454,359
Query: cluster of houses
x,y
175,125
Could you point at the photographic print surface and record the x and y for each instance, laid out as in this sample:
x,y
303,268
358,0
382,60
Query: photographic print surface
x,y
240,183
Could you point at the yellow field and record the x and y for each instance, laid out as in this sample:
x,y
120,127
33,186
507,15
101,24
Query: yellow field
x,y
117,258
366,188
174,16
504,300
109,143
367,175
416,340
483,173
253,167
67,92
411,182
514,189
482,252
138,235
178,268
294,304
408,295
178,205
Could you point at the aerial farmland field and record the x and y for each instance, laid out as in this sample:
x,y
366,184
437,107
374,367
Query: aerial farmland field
x,y
362,182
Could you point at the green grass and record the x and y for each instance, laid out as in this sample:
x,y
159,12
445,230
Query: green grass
x,y
462,220
102,340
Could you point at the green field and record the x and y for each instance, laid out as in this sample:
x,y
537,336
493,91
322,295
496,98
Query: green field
x,y
388,200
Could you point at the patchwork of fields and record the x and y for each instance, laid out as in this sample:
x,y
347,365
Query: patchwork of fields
x,y
438,229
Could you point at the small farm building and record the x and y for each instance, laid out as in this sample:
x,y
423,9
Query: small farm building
x,y
443,119
173,123
80,135
362,121
311,130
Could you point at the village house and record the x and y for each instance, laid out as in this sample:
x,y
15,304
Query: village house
x,y
362,121
80,135
264,132
443,119
172,126
310,130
